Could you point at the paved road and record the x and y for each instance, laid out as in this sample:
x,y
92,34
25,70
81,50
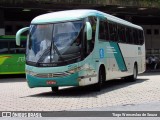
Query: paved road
x,y
115,95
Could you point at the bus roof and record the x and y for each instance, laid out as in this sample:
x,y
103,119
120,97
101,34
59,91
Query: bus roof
x,y
11,37
70,15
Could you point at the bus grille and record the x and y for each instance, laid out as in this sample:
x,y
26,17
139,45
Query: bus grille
x,y
48,75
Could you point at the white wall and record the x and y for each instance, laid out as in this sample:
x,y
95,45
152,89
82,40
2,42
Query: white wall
x,y
152,40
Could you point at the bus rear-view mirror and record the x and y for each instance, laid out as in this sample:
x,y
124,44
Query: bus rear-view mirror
x,y
89,30
18,35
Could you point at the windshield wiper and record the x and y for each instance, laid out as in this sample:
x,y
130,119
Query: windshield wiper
x,y
49,49
44,53
59,54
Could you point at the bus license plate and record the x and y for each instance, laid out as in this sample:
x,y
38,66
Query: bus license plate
x,y
51,82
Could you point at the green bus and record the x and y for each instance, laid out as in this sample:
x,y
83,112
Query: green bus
x,y
82,47
12,57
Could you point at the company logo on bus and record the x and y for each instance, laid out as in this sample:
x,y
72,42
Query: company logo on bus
x,y
21,59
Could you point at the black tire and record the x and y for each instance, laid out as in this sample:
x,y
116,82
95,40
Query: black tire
x,y
54,89
133,77
101,80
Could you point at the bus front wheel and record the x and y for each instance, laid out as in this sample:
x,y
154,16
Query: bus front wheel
x,y
54,89
101,79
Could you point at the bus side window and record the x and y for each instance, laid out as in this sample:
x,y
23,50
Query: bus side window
x,y
107,30
22,48
4,47
102,31
111,31
135,36
131,36
127,35
14,49
140,36
115,32
121,34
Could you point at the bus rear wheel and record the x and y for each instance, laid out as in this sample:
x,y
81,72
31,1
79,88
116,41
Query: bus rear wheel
x,y
54,89
133,77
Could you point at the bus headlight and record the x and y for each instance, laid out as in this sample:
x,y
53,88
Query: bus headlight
x,y
72,71
84,67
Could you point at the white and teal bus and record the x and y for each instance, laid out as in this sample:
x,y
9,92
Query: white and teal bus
x,y
82,47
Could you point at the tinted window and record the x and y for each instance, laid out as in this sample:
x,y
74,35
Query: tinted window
x,y
3,47
14,49
121,33
106,30
128,37
141,37
102,32
135,36
131,35
113,31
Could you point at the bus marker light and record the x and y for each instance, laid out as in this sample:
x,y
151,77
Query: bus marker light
x,y
51,82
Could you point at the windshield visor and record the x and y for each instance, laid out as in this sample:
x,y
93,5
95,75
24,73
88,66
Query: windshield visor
x,y
52,43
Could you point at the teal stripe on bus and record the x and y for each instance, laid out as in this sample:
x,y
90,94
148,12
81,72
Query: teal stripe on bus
x,y
119,56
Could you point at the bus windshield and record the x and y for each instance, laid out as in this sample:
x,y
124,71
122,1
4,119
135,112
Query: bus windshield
x,y
50,43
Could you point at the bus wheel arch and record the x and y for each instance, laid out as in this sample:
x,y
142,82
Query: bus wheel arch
x,y
101,77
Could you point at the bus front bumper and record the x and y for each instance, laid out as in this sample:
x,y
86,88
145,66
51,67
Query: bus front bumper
x,y
70,80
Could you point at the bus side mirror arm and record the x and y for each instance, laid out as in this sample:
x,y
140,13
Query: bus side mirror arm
x,y
89,31
18,34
